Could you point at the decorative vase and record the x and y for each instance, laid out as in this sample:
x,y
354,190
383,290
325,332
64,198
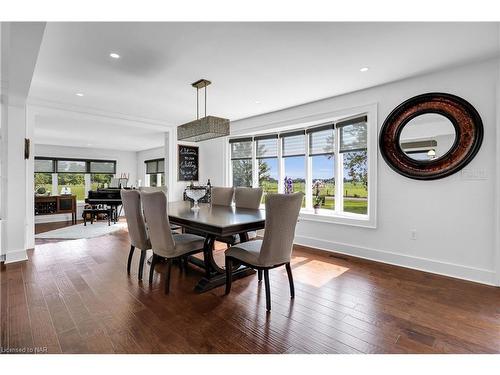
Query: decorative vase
x,y
316,210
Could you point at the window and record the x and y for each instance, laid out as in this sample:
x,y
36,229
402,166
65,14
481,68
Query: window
x,y
79,175
155,172
353,151
329,163
101,173
294,155
241,161
267,158
43,175
43,180
75,181
321,153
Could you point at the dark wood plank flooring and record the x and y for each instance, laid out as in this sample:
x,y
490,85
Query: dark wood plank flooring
x,y
75,297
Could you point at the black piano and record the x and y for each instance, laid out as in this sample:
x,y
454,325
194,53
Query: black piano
x,y
109,197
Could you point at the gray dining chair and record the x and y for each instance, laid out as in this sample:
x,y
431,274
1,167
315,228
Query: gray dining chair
x,y
222,196
275,250
245,197
131,201
164,243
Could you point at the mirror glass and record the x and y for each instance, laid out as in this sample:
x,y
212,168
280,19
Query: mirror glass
x,y
427,137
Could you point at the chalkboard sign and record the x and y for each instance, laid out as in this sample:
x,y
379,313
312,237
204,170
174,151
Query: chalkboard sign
x,y
188,163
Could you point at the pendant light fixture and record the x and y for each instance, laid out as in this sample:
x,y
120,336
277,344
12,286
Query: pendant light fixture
x,y
207,127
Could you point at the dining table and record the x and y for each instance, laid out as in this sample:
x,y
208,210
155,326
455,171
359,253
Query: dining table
x,y
214,221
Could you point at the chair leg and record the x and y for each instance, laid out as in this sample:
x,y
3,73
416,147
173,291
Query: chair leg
x,y
130,255
167,275
152,268
186,263
290,280
268,290
141,263
229,274
259,275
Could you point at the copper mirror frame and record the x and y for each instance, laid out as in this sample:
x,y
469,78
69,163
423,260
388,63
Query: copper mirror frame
x,y
468,136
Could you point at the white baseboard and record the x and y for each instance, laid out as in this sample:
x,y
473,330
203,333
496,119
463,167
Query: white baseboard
x,y
16,256
478,275
53,218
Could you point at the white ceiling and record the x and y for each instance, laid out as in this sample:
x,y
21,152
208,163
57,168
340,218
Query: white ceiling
x,y
277,65
84,132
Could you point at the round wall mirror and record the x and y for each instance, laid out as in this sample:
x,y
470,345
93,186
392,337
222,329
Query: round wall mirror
x,y
427,137
431,136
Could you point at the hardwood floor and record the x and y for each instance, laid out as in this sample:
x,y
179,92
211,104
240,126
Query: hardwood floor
x,y
75,297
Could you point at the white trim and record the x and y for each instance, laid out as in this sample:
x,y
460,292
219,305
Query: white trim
x,y
496,220
479,275
343,218
16,256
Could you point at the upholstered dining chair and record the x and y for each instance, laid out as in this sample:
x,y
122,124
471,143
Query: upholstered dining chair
x,y
137,232
150,189
245,197
222,196
164,243
275,250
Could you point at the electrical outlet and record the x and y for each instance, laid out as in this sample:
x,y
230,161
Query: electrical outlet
x,y
474,174
413,234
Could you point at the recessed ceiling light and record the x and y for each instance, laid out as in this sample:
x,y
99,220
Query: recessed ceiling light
x,y
114,55
79,94
364,69
257,102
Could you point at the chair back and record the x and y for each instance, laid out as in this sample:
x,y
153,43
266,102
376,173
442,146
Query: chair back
x,y
155,211
222,196
150,189
245,197
137,232
282,212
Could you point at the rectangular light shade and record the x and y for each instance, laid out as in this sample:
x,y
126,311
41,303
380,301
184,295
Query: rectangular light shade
x,y
205,128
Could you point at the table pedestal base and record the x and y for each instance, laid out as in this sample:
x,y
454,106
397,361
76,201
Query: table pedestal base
x,y
206,284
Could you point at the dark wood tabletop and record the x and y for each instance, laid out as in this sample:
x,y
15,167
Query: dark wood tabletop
x,y
216,220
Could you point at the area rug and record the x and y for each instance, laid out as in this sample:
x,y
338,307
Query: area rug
x,y
79,231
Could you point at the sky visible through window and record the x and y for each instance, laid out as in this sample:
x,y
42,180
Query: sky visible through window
x,y
322,169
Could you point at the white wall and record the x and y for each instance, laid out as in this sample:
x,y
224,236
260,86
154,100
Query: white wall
x,y
20,43
211,164
454,217
126,162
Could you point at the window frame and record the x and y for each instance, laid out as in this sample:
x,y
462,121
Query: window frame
x,y
160,176
336,216
87,173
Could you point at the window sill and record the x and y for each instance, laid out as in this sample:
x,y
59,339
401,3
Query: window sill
x,y
326,216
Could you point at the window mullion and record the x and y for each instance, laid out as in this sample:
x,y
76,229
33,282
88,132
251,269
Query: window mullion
x,y
55,183
255,166
281,167
308,166
88,184
339,182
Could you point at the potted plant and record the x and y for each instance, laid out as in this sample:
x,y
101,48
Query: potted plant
x,y
317,198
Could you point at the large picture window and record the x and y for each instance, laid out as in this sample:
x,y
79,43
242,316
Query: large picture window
x,y
327,162
80,175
